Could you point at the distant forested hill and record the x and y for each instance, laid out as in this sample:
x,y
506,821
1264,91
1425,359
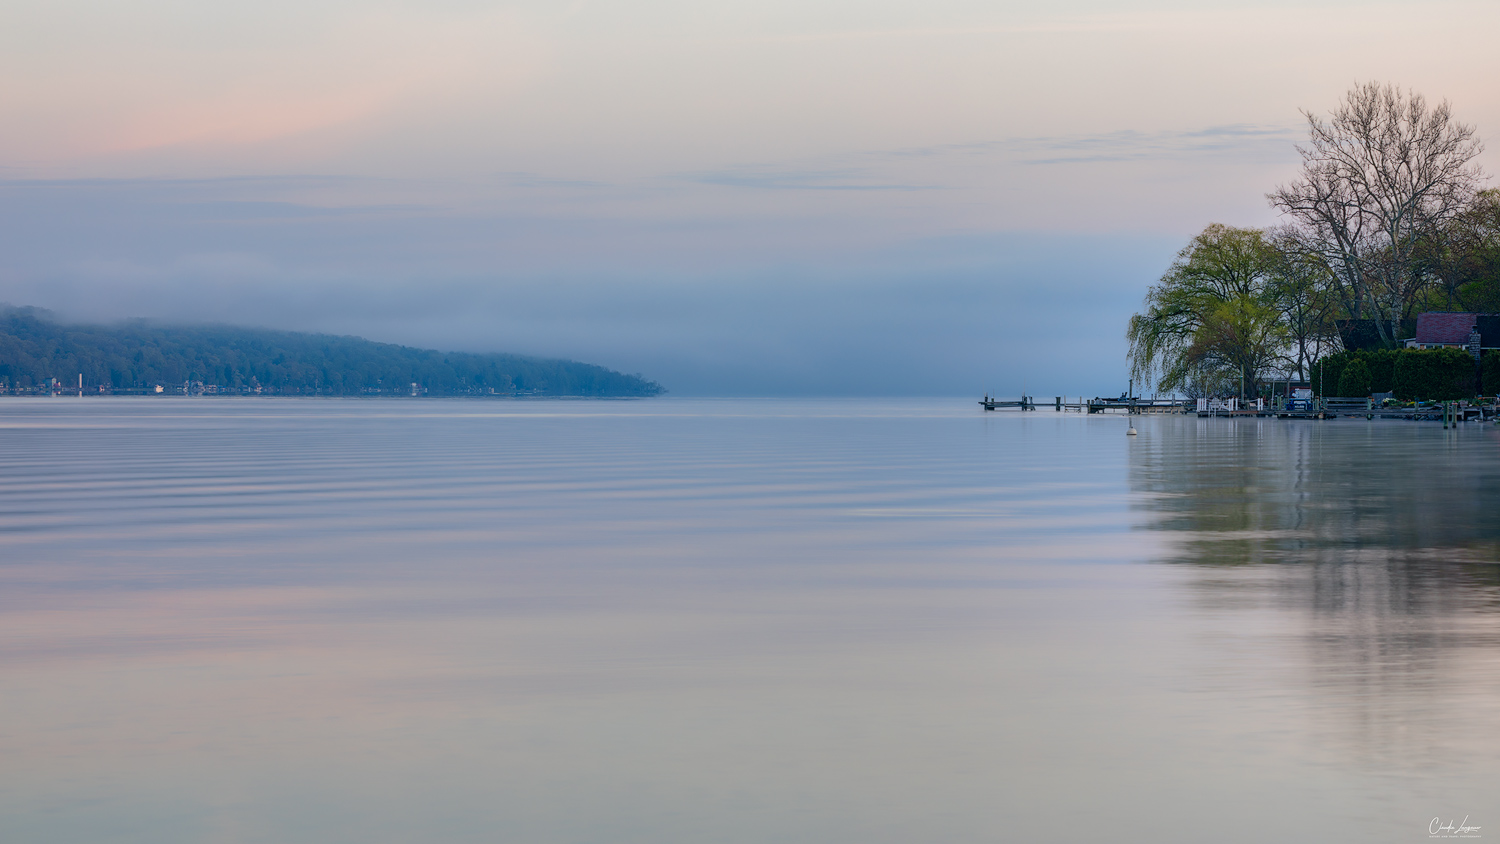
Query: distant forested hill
x,y
138,356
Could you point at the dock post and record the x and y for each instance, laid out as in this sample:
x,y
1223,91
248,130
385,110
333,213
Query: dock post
x,y
1058,408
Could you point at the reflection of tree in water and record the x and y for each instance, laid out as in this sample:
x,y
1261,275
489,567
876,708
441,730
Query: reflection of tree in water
x,y
1379,541
1277,491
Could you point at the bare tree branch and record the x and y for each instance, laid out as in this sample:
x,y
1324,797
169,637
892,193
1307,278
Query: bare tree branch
x,y
1381,174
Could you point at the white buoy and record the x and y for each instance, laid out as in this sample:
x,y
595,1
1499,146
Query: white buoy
x,y
1131,431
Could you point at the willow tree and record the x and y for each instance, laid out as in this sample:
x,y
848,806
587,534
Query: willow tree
x,y
1213,315
1379,176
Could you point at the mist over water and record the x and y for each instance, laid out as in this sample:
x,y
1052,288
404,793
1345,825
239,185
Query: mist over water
x,y
785,307
689,620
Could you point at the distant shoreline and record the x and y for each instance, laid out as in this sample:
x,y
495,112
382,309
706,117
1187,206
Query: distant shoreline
x,y
137,394
42,357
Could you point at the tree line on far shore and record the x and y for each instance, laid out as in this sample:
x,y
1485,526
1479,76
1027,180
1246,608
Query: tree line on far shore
x,y
35,348
1388,218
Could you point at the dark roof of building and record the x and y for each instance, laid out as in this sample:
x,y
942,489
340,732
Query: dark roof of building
x,y
1489,330
1447,328
1357,334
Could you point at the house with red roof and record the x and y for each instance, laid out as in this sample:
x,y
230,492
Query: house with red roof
x,y
1471,332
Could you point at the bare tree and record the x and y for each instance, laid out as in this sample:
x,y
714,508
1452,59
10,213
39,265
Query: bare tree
x,y
1382,173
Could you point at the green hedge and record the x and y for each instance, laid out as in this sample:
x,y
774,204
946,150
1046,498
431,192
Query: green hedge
x,y
1439,374
1436,375
1382,365
1379,364
1354,380
1490,367
1327,370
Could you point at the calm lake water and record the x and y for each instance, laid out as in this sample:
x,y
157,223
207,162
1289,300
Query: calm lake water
x,y
262,620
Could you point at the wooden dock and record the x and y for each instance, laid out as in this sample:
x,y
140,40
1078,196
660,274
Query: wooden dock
x,y
1094,405
1449,413
1024,403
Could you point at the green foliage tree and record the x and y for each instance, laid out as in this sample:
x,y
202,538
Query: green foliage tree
x,y
1307,306
1213,311
1464,258
1241,336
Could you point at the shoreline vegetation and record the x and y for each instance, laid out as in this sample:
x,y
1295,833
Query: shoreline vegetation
x,y
1388,218
41,356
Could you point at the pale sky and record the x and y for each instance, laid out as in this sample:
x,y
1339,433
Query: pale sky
x,y
774,197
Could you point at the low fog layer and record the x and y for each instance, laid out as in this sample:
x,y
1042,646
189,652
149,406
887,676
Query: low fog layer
x,y
685,302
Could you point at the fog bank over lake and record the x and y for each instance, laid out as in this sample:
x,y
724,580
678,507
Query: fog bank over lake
x,y
804,306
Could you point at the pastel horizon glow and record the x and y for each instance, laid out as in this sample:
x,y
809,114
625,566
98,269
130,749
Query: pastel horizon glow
x,y
741,198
